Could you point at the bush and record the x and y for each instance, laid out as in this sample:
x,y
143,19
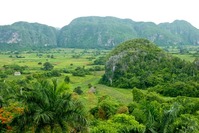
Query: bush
x,y
67,79
29,77
53,73
47,66
96,68
78,90
123,110
39,63
80,71
100,61
66,70
3,75
105,109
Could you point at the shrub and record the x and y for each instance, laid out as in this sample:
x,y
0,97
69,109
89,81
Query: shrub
x,y
53,73
123,110
78,90
47,66
80,71
39,63
3,75
66,79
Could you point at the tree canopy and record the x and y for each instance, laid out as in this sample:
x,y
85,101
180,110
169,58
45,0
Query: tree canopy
x,y
140,63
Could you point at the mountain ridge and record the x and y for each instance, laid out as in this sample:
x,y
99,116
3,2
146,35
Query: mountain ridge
x,y
23,34
97,32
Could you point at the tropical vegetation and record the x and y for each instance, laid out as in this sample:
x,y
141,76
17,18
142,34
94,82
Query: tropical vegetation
x,y
135,88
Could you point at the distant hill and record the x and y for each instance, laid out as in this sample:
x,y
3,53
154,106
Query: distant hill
x,y
140,63
22,35
107,32
183,31
96,32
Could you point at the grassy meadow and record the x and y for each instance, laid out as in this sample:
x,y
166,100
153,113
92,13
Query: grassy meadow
x,y
69,59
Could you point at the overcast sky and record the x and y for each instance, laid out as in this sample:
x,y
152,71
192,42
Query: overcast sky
x,y
59,13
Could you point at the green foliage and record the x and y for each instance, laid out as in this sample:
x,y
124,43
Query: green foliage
x,y
27,35
53,73
106,32
49,105
117,110
160,115
183,31
80,71
96,68
94,32
3,75
78,90
119,123
39,63
128,124
10,69
185,123
169,116
100,61
47,66
67,79
104,127
139,63
123,110
179,88
105,109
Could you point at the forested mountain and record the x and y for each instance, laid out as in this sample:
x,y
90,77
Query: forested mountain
x,y
23,35
106,32
96,32
140,63
184,32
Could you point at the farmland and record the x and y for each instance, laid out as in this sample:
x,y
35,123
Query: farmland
x,y
78,72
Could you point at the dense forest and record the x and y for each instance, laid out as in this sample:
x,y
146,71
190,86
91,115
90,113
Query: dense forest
x,y
134,88
139,63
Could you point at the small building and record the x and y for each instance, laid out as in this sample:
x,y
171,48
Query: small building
x,y
17,73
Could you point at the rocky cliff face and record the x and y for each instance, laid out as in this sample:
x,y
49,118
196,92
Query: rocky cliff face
x,y
9,35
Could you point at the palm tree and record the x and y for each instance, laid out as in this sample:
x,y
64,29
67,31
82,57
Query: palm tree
x,y
49,107
169,116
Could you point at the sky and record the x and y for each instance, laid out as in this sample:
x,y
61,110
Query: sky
x,y
58,13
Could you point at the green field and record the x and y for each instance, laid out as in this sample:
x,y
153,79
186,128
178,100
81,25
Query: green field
x,y
70,59
108,108
63,59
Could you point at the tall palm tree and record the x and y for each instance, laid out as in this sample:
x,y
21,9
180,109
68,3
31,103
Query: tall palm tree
x,y
49,107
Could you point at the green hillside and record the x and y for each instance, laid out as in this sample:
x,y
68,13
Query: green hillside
x,y
140,63
107,32
186,33
26,35
96,32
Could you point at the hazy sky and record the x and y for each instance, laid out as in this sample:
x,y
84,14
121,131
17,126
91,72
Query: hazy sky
x,y
58,13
